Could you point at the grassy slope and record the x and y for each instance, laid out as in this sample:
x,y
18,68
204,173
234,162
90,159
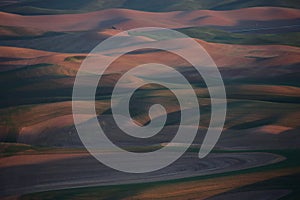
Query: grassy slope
x,y
31,7
289,183
249,112
171,5
220,36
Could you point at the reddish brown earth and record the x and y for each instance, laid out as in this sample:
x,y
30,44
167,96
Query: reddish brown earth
x,y
224,55
125,19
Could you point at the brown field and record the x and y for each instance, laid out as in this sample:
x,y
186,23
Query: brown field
x,y
36,159
126,19
224,55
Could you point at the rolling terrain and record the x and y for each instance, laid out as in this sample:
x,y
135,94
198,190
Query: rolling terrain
x,y
255,45
127,19
36,7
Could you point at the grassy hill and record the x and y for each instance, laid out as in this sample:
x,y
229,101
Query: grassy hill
x,y
219,36
33,7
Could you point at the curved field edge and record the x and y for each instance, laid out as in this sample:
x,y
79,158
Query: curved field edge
x,y
200,187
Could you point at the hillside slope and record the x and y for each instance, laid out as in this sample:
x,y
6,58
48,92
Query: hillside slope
x,y
33,7
127,19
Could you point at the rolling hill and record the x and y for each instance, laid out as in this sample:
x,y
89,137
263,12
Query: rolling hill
x,y
255,45
34,7
126,19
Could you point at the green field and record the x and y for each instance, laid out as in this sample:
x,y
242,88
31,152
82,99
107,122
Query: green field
x,y
220,36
